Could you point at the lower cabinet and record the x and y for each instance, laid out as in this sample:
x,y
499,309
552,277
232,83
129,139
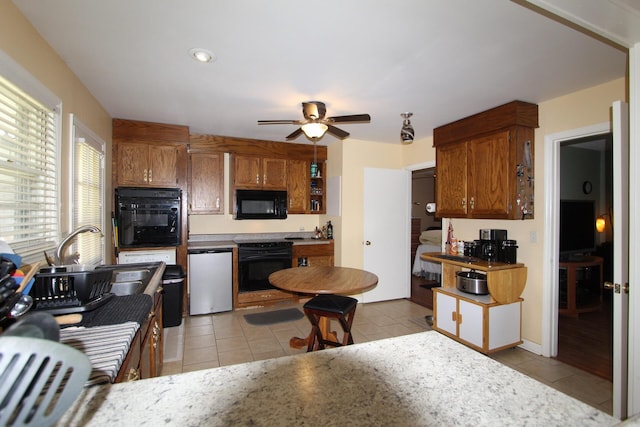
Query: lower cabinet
x,y
151,356
476,321
318,255
145,357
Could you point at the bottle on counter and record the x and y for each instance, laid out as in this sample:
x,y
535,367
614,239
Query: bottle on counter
x,y
329,230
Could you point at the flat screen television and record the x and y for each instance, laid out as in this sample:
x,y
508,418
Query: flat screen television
x,y
577,228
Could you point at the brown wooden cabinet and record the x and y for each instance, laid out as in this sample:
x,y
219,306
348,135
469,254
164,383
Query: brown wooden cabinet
x,y
151,352
306,193
259,172
298,186
320,254
142,164
206,177
484,164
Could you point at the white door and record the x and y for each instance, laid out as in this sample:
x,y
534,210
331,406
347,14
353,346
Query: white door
x,y
620,256
386,233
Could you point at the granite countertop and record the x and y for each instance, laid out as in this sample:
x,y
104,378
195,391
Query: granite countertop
x,y
421,379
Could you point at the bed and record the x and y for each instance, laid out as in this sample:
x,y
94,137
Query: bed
x,y
430,241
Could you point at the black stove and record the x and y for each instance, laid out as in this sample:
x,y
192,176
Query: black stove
x,y
257,259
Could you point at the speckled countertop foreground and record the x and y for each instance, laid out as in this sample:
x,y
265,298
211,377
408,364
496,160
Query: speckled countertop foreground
x,y
422,379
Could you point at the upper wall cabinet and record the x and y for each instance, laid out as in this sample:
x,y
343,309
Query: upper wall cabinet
x,y
149,154
484,164
259,172
257,164
206,177
147,164
305,188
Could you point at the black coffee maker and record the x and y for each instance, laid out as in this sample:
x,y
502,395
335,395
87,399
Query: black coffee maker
x,y
489,247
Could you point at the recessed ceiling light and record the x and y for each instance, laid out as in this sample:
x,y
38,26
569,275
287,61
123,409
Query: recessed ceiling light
x,y
202,55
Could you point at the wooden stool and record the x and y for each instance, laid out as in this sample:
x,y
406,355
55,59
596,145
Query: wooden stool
x,y
334,307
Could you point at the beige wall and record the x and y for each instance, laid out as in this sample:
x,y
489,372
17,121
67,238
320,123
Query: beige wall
x,y
20,41
577,110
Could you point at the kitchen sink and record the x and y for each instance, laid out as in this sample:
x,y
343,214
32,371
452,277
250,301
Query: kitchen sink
x,y
128,288
129,279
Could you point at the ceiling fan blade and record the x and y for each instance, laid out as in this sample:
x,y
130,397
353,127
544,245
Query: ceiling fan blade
x,y
314,110
296,133
338,133
278,122
353,118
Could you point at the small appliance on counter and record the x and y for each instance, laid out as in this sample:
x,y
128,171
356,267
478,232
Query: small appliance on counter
x,y
494,246
472,282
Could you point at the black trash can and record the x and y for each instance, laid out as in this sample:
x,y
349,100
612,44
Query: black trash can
x,y
173,286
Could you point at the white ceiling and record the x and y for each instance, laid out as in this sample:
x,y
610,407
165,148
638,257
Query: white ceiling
x,y
441,60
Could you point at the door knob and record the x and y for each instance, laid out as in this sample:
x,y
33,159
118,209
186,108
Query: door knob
x,y
616,287
368,243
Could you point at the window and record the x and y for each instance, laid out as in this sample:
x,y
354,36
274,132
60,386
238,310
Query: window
x,y
88,191
29,130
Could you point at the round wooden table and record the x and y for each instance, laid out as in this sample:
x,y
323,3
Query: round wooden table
x,y
322,280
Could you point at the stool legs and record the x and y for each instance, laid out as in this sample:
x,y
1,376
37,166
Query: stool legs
x,y
318,338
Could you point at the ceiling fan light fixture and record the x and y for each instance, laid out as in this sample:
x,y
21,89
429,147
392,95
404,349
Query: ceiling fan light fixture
x,y
314,130
202,55
406,133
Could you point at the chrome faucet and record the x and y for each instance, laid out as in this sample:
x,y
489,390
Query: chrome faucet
x,y
62,246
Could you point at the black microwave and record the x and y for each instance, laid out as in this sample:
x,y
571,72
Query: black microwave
x,y
261,204
148,217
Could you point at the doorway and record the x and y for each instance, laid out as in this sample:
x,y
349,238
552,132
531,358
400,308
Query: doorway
x,y
422,193
585,334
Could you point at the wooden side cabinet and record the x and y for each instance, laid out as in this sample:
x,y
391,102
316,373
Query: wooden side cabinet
x,y
477,322
484,164
206,177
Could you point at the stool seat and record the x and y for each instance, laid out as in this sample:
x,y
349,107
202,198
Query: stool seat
x,y
337,307
332,303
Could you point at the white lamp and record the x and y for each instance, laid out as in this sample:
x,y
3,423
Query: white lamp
x,y
314,130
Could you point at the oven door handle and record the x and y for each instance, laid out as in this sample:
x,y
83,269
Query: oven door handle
x,y
252,257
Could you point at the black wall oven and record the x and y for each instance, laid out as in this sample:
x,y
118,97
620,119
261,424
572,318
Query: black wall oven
x,y
257,260
148,217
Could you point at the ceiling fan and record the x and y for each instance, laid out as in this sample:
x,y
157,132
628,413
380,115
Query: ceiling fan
x,y
315,124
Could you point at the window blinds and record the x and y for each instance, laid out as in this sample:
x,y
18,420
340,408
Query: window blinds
x,y
28,179
88,193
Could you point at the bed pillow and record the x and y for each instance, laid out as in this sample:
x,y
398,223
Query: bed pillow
x,y
431,237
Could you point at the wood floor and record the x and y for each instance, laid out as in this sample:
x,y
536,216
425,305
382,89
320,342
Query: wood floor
x,y
586,341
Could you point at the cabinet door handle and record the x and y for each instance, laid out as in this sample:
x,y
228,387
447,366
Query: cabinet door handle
x,y
472,203
257,178
453,316
264,179
150,175
218,202
144,175
134,375
464,203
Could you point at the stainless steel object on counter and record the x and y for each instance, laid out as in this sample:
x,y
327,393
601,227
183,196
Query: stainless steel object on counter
x,y
472,282
210,281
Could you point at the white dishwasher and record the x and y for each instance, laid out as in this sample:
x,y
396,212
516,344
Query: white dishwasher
x,y
210,281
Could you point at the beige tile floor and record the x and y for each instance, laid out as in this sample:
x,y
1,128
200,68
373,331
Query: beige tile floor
x,y
209,341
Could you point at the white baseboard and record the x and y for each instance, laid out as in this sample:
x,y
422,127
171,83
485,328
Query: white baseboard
x,y
532,347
